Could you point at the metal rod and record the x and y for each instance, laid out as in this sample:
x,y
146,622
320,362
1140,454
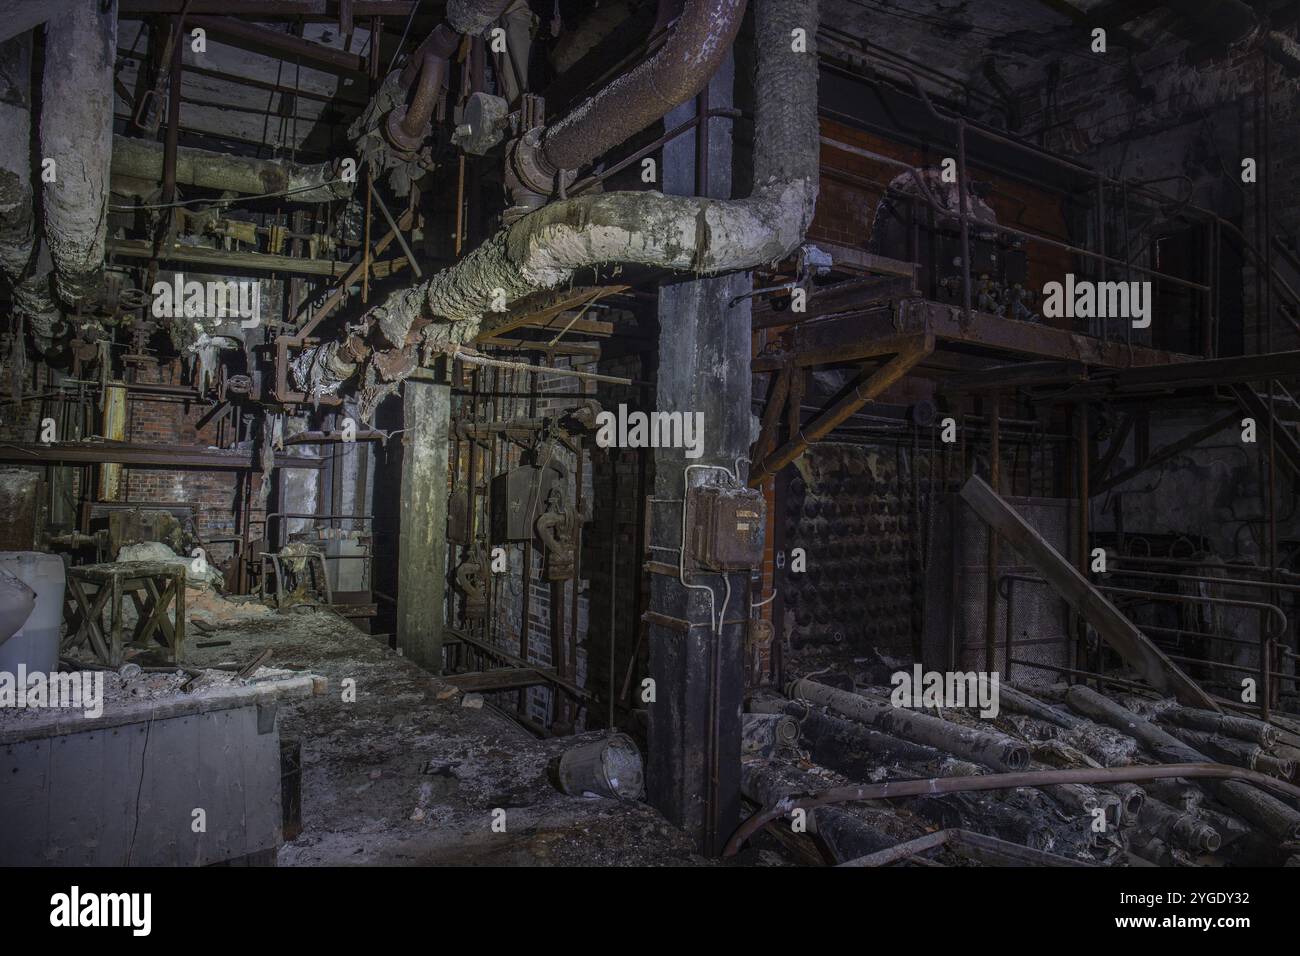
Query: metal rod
x,y
397,232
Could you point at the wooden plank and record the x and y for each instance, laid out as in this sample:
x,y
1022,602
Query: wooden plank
x,y
1115,629
545,306
502,678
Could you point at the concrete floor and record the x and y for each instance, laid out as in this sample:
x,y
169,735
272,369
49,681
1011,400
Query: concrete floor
x,y
400,777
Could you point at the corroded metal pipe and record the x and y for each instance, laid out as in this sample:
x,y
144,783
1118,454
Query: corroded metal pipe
x,y
407,126
691,54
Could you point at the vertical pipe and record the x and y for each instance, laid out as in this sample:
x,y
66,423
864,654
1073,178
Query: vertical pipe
x,y
1272,383
991,553
460,205
613,576
702,142
365,252
1081,467
577,561
965,219
1010,641
1101,242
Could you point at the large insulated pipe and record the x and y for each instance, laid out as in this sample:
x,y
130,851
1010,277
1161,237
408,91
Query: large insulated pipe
x,y
24,261
988,747
143,159
17,215
77,134
684,233
677,71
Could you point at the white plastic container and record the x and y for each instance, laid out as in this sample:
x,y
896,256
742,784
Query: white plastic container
x,y
37,642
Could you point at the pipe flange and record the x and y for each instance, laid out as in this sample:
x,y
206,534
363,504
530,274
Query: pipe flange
x,y
401,140
531,170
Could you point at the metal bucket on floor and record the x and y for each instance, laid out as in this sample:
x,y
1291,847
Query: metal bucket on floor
x,y
609,767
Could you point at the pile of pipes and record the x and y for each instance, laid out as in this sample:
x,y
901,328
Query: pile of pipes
x,y
819,738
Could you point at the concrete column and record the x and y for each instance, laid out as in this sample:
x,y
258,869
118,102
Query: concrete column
x,y
422,543
704,351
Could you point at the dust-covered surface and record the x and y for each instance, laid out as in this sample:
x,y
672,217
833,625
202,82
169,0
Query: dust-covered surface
x,y
407,775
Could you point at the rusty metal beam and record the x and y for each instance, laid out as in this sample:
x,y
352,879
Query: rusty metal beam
x,y
999,378
261,40
851,336
141,456
1077,591
776,402
880,380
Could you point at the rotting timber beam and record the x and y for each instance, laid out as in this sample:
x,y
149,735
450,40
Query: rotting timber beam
x,y
916,349
1115,629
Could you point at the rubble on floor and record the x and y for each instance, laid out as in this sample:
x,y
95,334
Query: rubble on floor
x,y
395,770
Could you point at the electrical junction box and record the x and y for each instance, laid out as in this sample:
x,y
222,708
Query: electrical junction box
x,y
725,528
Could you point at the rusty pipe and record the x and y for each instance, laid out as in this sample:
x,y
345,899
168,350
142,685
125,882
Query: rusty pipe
x,y
408,125
441,42
677,71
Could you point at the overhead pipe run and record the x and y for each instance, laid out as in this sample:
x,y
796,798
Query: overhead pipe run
x,y
684,233
143,159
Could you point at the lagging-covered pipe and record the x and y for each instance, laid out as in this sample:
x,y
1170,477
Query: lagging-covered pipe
x,y
143,159
17,215
24,262
77,134
989,747
686,233
892,789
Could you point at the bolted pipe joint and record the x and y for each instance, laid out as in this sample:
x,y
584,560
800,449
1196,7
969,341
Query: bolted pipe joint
x,y
530,178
